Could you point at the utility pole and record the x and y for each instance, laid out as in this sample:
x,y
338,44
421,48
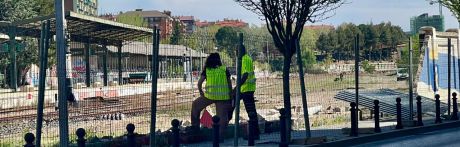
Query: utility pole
x,y
61,71
268,55
411,90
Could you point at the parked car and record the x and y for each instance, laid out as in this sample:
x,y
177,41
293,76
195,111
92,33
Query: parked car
x,y
402,74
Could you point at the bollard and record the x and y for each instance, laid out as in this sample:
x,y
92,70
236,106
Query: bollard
x,y
29,138
438,109
454,107
131,136
283,131
251,129
81,137
215,130
175,131
376,117
398,114
419,111
354,120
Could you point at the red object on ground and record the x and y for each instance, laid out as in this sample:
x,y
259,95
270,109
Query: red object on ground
x,y
206,119
29,96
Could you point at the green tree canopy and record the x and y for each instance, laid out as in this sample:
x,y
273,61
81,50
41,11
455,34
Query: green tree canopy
x,y
227,40
453,6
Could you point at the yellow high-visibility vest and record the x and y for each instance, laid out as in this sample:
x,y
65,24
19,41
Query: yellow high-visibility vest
x,y
247,67
217,84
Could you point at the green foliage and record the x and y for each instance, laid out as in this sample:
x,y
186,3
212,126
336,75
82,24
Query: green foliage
x,y
308,58
227,40
13,10
132,19
403,62
176,35
44,7
453,6
277,64
377,41
369,68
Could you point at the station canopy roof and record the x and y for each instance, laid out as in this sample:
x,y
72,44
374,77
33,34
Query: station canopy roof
x,y
82,28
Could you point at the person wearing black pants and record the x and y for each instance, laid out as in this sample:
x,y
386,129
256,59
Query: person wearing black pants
x,y
248,87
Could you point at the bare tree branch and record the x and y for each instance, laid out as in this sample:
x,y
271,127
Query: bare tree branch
x,y
285,19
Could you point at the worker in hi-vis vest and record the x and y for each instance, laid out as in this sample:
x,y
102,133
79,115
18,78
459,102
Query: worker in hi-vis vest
x,y
248,87
218,91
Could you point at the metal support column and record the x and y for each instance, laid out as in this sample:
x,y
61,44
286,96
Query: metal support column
x,y
303,91
61,70
238,92
449,72
104,64
87,65
154,70
357,76
120,70
13,65
411,78
44,45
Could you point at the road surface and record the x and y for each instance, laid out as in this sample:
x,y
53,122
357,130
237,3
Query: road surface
x,y
443,138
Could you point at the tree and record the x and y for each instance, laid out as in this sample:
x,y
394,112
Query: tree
x,y
176,35
13,11
453,6
227,40
285,20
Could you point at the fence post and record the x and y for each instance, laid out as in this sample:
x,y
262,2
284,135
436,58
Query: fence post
x,y
131,136
252,128
419,111
29,138
454,115
81,137
354,119
398,114
438,109
283,127
215,130
376,117
175,131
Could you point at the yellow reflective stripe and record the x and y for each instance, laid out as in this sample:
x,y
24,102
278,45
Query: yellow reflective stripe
x,y
218,93
217,86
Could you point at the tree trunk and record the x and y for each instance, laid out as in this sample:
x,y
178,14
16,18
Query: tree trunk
x,y
286,93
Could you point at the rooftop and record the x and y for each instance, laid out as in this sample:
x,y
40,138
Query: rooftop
x,y
82,28
150,13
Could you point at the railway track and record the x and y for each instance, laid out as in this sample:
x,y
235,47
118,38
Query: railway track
x,y
97,107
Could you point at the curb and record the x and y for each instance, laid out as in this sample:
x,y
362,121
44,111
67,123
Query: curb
x,y
391,134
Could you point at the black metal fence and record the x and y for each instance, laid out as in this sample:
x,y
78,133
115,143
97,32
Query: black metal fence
x,y
112,87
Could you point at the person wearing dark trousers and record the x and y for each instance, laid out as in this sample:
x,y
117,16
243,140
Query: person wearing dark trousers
x,y
218,91
248,87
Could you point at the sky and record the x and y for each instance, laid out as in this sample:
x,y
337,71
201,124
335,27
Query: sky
x,y
398,12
